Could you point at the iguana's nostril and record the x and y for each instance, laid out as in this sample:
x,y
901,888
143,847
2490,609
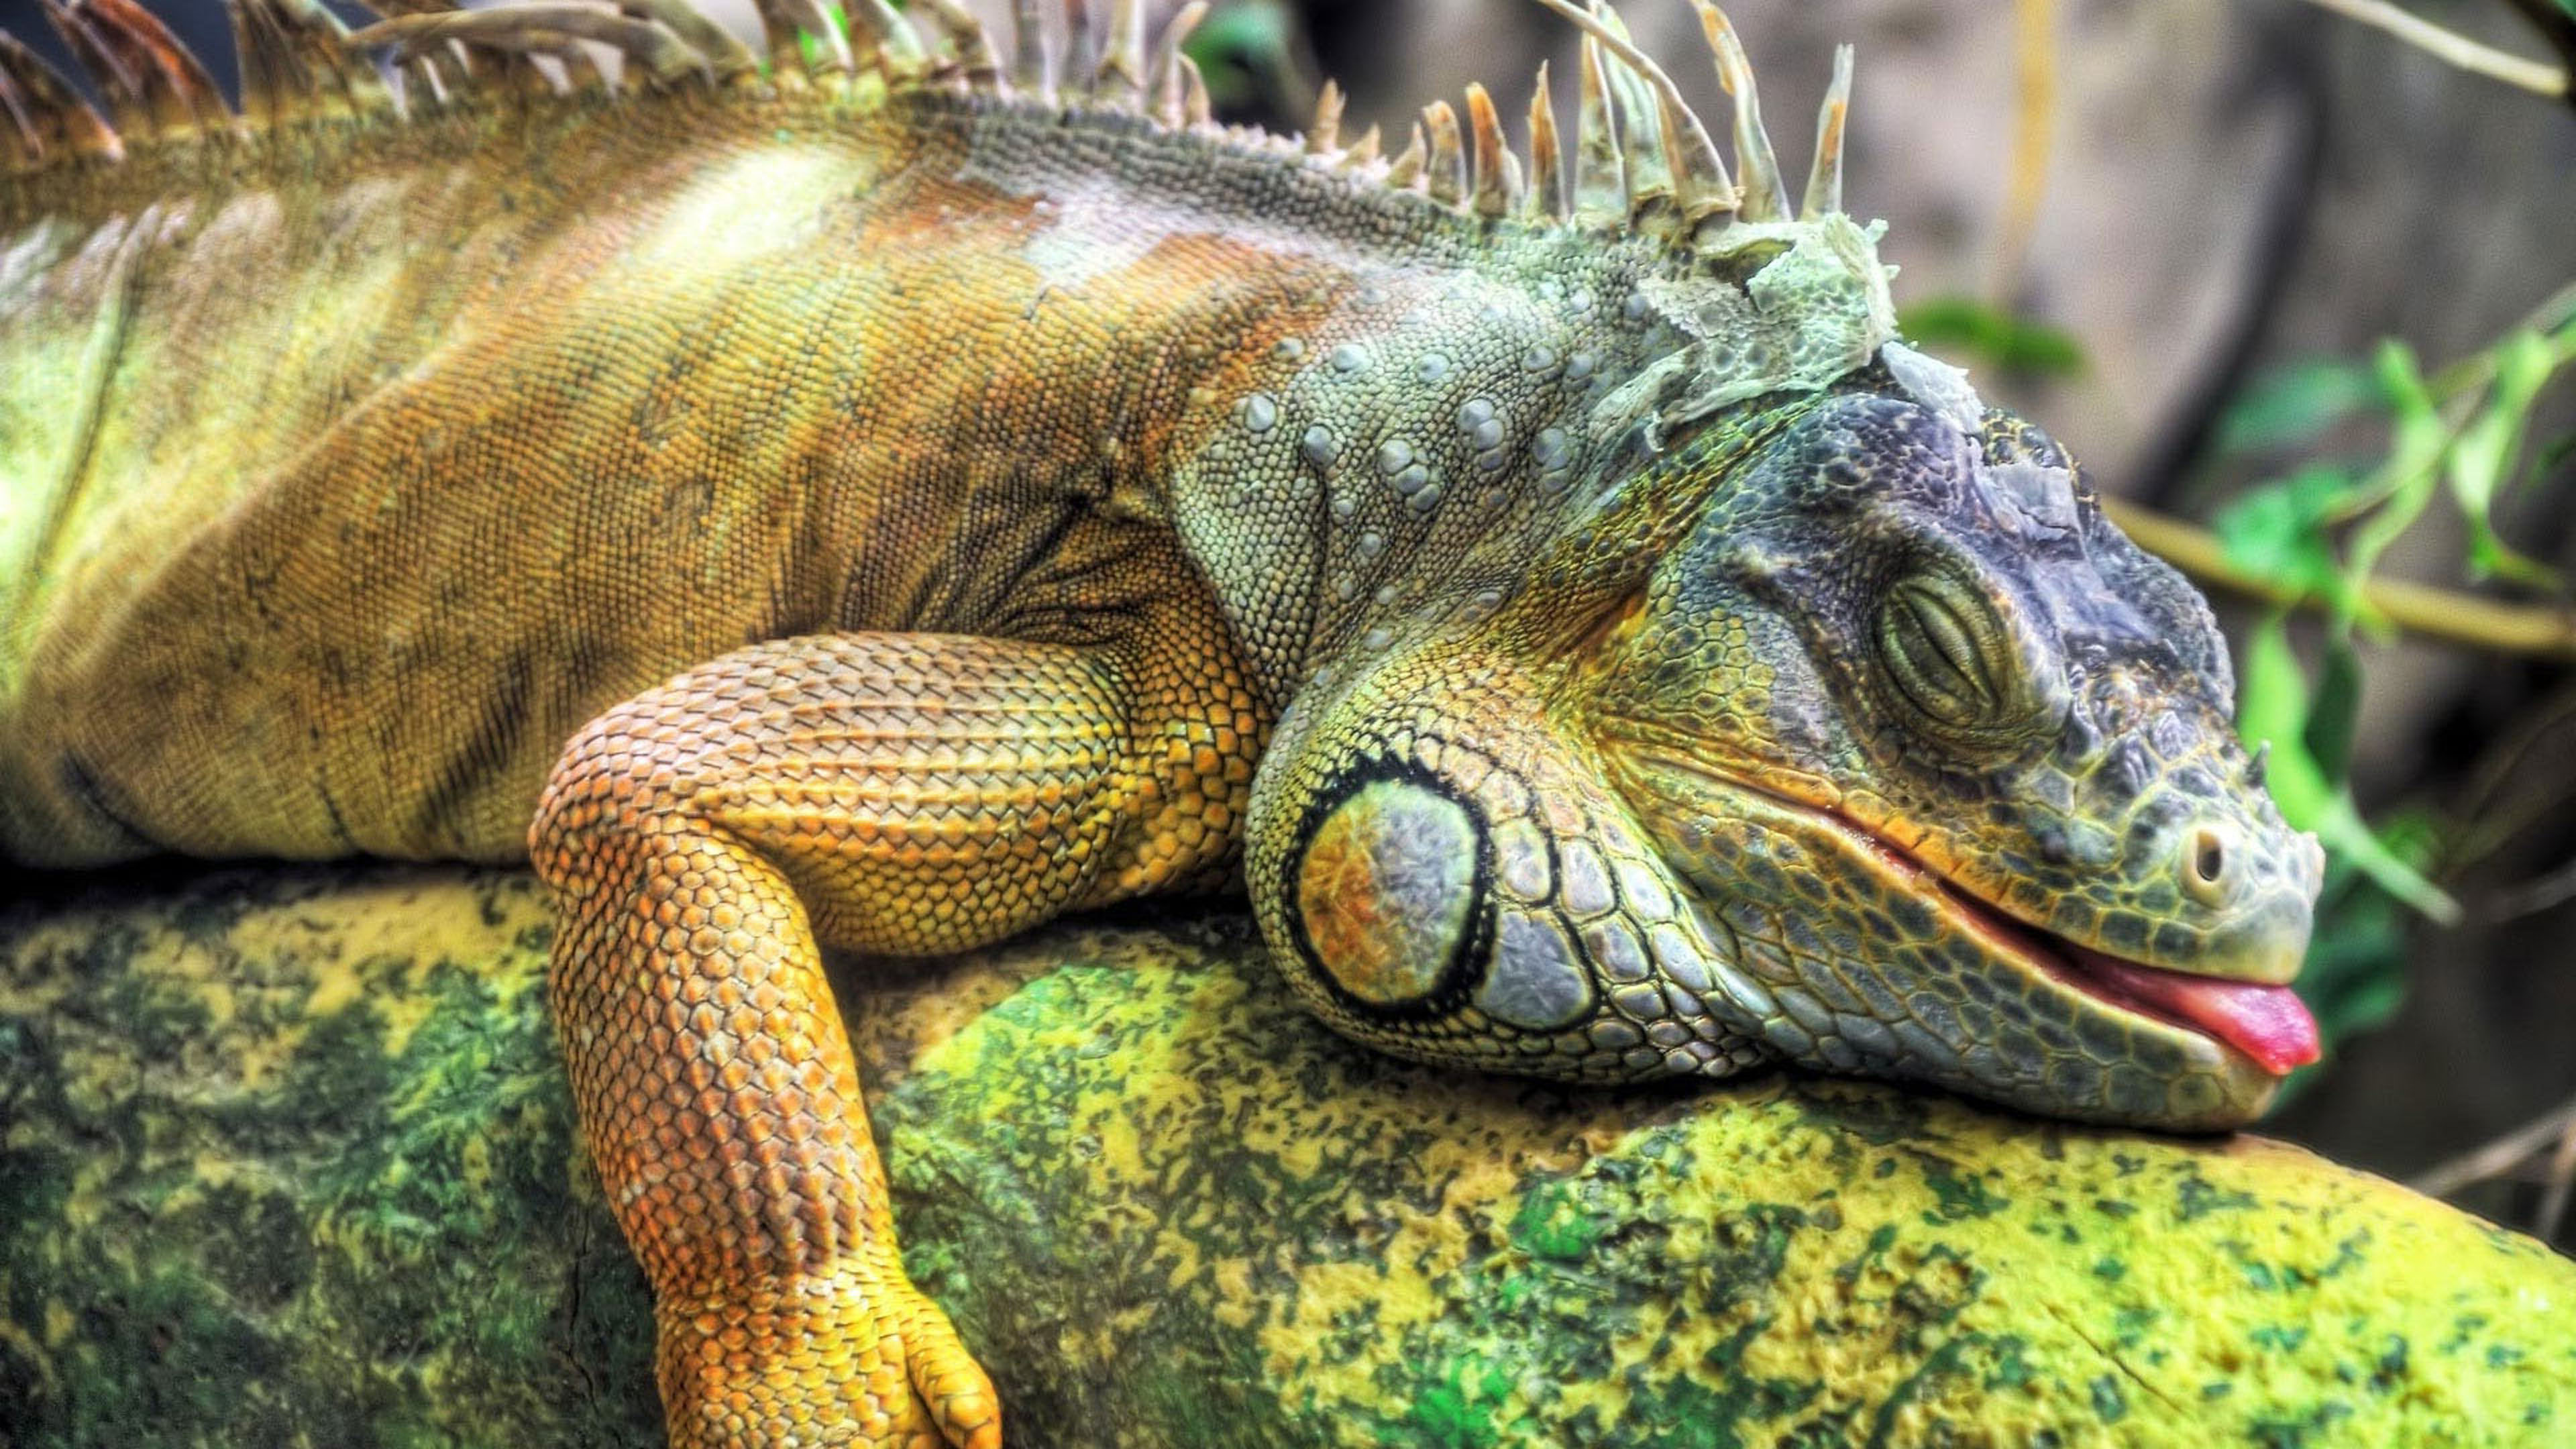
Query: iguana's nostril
x,y
2206,861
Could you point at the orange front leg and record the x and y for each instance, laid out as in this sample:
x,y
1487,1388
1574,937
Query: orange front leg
x,y
891,792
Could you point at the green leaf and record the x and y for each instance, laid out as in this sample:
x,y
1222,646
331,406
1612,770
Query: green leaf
x,y
1992,337
2483,459
2345,833
2334,711
2279,530
1245,29
2273,709
2417,440
2294,404
1243,47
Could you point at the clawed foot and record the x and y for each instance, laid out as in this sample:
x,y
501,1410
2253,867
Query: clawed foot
x,y
853,1360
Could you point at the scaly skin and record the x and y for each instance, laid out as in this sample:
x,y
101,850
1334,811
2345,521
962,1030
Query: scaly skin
x,y
924,515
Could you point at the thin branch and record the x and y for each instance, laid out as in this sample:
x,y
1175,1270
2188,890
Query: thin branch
x,y
2553,889
2475,371
2535,631
2562,1181
2486,822
2556,25
2449,45
2499,1157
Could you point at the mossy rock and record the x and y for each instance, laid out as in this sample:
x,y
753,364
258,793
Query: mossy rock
x,y
288,1160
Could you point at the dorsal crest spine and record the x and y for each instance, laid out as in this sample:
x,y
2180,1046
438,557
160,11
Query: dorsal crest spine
x,y
1642,164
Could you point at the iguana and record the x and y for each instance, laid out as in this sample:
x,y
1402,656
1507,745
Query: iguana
x,y
880,493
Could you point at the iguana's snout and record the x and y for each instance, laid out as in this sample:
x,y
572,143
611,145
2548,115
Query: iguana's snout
x,y
1951,761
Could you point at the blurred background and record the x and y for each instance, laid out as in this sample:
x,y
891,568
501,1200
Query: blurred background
x,y
2297,279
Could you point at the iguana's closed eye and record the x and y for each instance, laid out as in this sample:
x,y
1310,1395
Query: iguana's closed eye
x,y
1945,655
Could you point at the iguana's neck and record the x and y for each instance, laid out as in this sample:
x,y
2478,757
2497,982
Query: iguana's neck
x,y
1409,453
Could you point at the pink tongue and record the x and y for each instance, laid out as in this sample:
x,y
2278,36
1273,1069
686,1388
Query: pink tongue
x,y
2268,1023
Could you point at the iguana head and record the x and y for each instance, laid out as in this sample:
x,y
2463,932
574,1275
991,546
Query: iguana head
x,y
1949,761
1852,735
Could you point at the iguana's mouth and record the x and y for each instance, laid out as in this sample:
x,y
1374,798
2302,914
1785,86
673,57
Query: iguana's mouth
x,y
2266,1023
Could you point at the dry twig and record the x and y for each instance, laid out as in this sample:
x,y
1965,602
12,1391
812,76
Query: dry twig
x,y
2537,631
2534,76
2495,1159
2562,1177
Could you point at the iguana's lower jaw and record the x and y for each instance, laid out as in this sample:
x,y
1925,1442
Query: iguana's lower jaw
x,y
2267,1023
1995,1007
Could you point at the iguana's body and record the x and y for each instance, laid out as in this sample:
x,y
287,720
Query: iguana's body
x,y
792,375
1006,481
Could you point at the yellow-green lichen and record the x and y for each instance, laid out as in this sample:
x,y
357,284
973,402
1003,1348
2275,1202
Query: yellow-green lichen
x,y
1418,1257
288,1160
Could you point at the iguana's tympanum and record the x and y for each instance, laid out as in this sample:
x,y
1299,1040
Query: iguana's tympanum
x,y
852,499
